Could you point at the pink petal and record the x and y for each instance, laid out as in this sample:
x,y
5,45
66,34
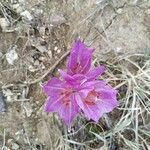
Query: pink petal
x,y
79,100
108,100
53,86
76,79
106,107
80,58
91,84
107,93
91,112
103,100
69,112
85,61
53,104
65,76
93,74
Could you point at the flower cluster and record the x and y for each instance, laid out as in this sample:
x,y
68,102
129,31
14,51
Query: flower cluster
x,y
78,90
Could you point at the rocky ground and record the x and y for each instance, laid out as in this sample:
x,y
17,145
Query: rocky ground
x,y
35,37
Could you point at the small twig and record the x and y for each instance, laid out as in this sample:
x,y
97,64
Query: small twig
x,y
50,69
4,141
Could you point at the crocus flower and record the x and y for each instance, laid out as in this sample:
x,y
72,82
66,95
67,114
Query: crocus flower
x,y
61,100
93,98
78,90
80,59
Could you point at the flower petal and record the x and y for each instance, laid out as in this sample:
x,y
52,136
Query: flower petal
x,y
98,100
107,92
92,84
69,112
79,100
66,76
85,62
108,98
75,80
54,86
53,104
80,58
93,74
91,112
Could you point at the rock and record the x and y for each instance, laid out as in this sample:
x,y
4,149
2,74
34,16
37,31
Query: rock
x,y
2,103
8,94
15,146
28,109
36,63
119,11
4,24
26,14
50,53
17,7
1,54
55,48
57,19
58,51
42,49
11,56
147,20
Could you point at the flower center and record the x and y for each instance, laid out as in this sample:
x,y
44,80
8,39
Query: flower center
x,y
66,100
92,98
77,68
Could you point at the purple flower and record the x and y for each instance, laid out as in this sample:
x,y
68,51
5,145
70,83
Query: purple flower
x,y
78,90
80,59
100,99
93,98
61,100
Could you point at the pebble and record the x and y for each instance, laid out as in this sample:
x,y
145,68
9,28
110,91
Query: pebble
x,y
1,54
28,109
17,7
11,56
26,14
119,11
15,146
118,49
49,53
55,48
4,24
36,63
2,103
57,19
58,51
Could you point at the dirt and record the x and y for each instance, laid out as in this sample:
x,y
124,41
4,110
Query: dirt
x,y
40,37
